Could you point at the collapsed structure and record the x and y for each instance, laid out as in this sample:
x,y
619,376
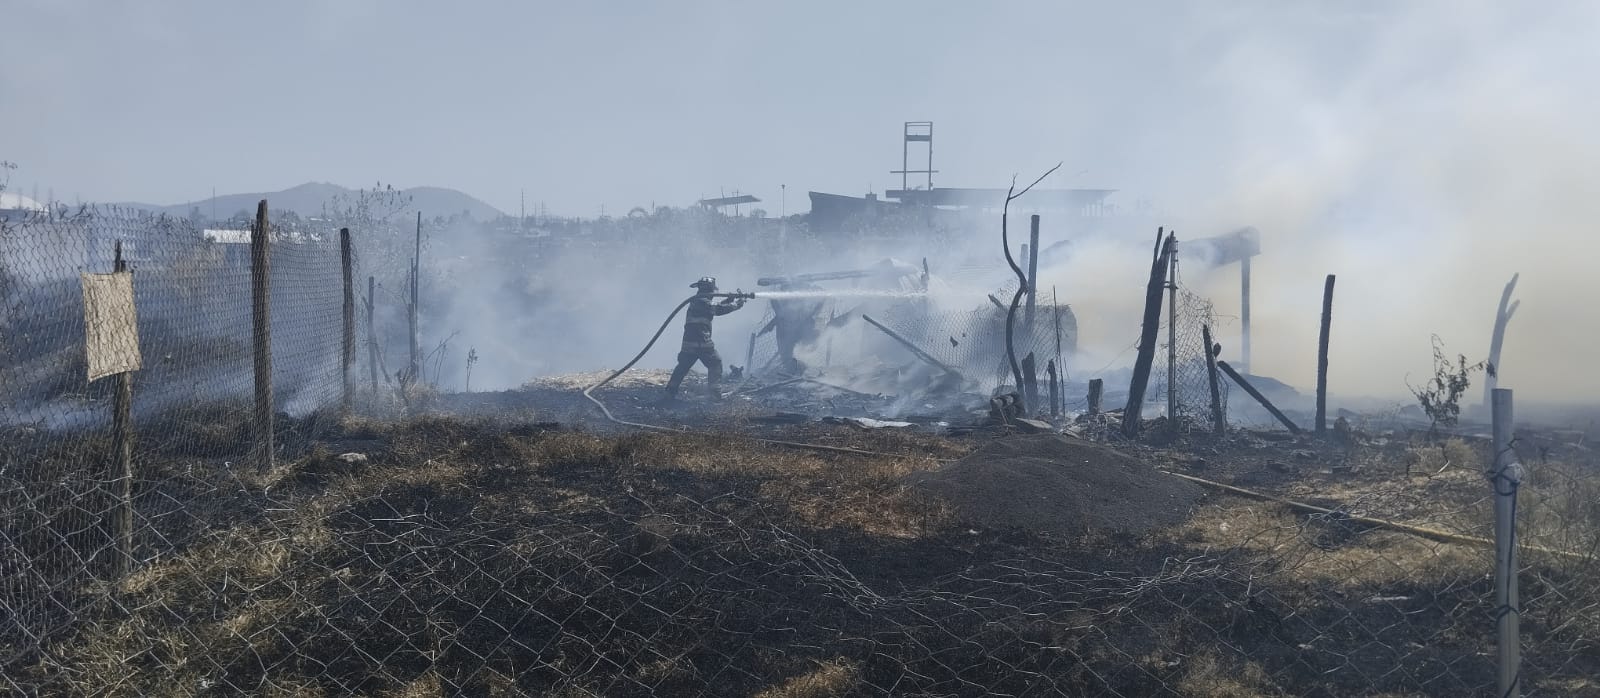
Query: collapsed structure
x,y
896,328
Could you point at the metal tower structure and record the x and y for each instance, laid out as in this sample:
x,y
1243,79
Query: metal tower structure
x,y
915,132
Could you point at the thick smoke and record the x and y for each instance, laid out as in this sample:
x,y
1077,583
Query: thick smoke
x,y
1423,152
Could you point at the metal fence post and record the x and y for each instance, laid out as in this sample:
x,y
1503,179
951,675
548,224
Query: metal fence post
x,y
1172,333
1032,255
1506,476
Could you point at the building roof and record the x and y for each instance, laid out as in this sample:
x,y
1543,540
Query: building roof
x,y
729,201
962,196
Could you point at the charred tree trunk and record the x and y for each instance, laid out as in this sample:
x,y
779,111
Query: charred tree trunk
x,y
1055,390
1219,422
1148,338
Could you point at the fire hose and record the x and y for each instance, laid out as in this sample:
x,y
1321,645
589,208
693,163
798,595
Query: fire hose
x,y
589,391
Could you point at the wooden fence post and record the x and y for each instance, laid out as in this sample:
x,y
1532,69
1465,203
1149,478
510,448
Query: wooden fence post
x,y
261,315
1219,423
1244,313
1030,384
1148,338
1322,357
347,355
122,436
1293,428
1055,390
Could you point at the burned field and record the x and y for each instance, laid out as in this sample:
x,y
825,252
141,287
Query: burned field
x,y
899,491
530,555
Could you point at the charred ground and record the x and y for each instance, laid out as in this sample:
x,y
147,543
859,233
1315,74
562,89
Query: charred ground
x,y
537,552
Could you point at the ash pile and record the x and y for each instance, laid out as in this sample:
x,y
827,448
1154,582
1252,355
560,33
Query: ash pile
x,y
894,342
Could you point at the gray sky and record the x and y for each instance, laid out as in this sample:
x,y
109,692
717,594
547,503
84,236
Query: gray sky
x,y
614,103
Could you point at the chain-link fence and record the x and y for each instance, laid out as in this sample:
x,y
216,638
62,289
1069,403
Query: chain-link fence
x,y
480,559
435,557
128,339
1184,366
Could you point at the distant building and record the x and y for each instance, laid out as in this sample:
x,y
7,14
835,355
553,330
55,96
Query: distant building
x,y
226,236
14,206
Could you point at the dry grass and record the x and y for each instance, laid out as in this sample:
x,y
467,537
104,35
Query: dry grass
x,y
1207,676
829,680
1328,554
469,557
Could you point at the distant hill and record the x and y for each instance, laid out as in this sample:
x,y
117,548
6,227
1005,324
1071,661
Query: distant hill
x,y
308,199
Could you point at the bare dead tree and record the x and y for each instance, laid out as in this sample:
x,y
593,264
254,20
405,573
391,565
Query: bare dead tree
x,y
1149,334
1022,277
1502,317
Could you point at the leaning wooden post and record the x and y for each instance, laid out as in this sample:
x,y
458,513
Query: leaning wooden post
x,y
1322,357
1030,383
914,349
1148,338
349,345
122,436
1096,389
261,315
750,358
1293,428
1219,423
1055,390
372,336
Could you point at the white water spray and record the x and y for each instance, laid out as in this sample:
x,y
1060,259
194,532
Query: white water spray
x,y
842,293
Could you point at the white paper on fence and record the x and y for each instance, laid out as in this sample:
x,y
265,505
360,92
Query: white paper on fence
x,y
111,324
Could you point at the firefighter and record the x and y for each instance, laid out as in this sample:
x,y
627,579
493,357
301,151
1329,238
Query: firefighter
x,y
697,344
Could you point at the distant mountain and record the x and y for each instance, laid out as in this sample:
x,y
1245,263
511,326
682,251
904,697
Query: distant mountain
x,y
307,200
